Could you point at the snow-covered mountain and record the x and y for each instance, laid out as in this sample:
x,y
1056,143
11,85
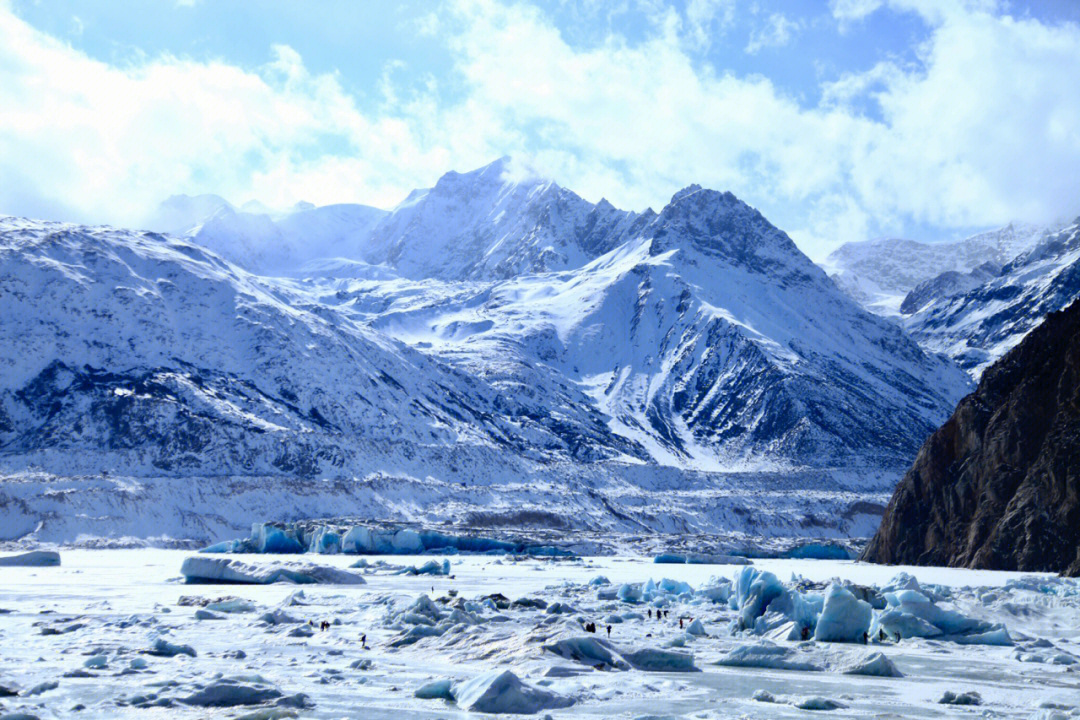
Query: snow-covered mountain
x,y
613,355
947,284
487,225
980,325
266,242
880,273
708,338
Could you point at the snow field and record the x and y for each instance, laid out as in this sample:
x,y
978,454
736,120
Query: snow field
x,y
109,628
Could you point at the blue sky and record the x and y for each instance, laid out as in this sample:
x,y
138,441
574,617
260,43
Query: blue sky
x,y
840,120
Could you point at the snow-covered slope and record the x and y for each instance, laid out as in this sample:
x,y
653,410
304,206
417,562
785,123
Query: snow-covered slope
x,y
139,352
880,273
979,326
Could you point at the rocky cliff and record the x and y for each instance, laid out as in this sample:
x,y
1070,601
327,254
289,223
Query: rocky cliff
x,y
998,485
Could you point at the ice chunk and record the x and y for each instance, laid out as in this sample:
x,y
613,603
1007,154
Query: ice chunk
x,y
96,662
270,538
763,695
431,567
629,593
34,558
586,650
358,540
895,622
696,628
164,648
504,692
278,617
669,559
231,605
767,655
435,690
844,618
819,551
964,698
874,664
229,570
674,587
325,541
717,593
655,660
755,591
230,693
818,703
998,636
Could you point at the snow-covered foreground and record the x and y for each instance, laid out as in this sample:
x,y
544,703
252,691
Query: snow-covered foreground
x,y
106,631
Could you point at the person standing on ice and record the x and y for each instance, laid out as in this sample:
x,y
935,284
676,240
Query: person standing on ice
x,y
609,631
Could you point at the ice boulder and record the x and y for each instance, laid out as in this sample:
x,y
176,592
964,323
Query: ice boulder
x,y
951,624
358,540
629,593
229,570
817,702
163,648
875,665
755,591
905,625
964,698
435,690
271,538
504,692
674,587
587,651
768,655
431,567
325,542
655,660
34,558
844,618
696,628
231,693
716,592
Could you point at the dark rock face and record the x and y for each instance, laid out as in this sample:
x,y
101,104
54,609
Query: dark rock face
x,y
998,485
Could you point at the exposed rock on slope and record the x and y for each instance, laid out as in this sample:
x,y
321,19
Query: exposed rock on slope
x,y
998,486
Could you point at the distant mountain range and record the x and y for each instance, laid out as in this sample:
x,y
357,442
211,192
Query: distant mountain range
x,y
971,300
487,331
880,274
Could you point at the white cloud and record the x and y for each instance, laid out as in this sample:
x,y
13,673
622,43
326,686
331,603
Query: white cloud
x,y
706,18
777,32
847,11
984,129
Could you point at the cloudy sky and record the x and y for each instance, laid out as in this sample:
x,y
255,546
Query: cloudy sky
x,y
839,120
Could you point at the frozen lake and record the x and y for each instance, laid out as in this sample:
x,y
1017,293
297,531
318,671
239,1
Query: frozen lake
x,y
84,625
